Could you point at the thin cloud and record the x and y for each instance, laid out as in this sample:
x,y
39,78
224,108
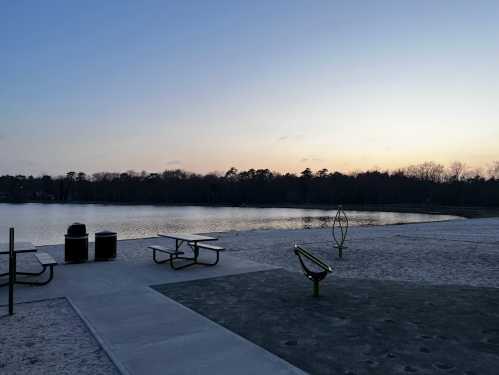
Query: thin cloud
x,y
293,137
173,162
304,160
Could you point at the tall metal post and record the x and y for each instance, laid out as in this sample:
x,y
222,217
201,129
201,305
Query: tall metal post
x,y
12,270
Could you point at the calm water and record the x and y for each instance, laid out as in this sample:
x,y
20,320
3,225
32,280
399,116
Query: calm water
x,y
46,223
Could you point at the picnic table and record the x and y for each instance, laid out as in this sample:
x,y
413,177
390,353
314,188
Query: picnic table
x,y
194,241
19,248
27,247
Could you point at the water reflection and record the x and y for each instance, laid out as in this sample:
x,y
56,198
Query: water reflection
x,y
47,223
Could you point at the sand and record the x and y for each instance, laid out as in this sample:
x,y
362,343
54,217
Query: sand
x,y
460,252
48,337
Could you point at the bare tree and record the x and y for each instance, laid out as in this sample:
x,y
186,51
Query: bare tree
x,y
494,170
457,171
427,171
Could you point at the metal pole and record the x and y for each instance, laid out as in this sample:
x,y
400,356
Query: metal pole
x,y
12,271
316,288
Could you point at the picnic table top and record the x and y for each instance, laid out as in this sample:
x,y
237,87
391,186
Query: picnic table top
x,y
187,237
19,247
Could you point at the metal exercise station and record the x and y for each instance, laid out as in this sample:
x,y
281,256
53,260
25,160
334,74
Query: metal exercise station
x,y
314,276
339,231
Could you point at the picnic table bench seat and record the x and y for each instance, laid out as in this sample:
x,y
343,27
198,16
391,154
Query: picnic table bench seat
x,y
171,253
46,261
205,246
208,247
163,249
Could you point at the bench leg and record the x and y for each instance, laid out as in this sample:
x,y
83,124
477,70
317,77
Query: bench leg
x,y
193,260
37,283
170,260
32,273
211,264
183,265
23,274
156,260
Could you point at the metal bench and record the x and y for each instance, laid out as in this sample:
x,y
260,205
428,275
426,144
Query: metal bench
x,y
46,261
173,254
204,246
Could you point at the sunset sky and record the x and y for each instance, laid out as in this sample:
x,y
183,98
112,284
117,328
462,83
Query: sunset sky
x,y
206,85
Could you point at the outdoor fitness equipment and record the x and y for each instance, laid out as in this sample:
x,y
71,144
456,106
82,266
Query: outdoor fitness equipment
x,y
340,230
314,276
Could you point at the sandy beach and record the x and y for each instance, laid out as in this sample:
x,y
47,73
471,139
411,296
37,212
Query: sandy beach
x,y
457,252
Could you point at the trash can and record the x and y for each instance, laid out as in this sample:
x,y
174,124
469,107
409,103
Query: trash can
x,y
76,244
105,245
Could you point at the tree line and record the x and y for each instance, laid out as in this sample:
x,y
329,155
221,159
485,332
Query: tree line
x,y
426,183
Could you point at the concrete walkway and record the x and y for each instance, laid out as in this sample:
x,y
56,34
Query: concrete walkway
x,y
145,332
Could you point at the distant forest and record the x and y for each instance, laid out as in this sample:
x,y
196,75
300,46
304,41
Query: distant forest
x,y
426,183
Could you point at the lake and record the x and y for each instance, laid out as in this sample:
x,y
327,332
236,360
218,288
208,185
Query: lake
x,y
45,224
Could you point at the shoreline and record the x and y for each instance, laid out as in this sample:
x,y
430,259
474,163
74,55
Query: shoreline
x,y
457,252
469,212
269,230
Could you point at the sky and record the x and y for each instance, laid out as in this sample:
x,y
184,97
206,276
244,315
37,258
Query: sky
x,y
207,85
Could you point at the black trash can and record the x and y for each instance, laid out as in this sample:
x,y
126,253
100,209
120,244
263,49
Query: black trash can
x,y
105,245
76,244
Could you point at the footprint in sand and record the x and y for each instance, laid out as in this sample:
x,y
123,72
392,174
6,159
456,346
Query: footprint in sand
x,y
443,366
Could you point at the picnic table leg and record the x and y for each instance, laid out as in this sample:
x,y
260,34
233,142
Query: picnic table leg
x,y
178,244
196,252
211,264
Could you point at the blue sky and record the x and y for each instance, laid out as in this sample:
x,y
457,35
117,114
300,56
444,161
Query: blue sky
x,y
203,86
